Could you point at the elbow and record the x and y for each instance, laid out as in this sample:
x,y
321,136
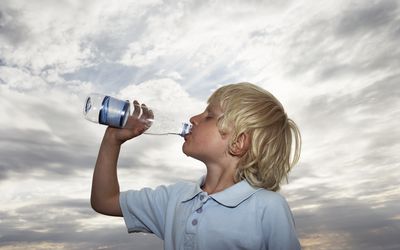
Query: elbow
x,y
94,205
107,207
97,204
98,207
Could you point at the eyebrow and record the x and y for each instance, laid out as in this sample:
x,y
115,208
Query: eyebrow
x,y
210,109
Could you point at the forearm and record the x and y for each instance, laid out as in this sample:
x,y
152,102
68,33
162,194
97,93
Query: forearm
x,y
105,186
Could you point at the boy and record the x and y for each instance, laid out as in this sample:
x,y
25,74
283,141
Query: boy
x,y
245,139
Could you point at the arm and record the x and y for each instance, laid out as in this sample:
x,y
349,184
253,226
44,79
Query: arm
x,y
105,187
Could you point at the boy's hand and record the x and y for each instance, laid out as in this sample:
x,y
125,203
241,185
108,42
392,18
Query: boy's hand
x,y
140,120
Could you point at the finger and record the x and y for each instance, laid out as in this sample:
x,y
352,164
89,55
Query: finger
x,y
151,115
150,118
147,116
145,112
136,109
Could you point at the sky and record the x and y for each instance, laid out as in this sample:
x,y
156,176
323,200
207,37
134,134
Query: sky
x,y
334,65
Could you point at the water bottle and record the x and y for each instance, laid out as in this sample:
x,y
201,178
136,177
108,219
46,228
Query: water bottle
x,y
110,111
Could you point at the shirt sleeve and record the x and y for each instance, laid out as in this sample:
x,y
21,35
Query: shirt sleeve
x,y
278,225
145,210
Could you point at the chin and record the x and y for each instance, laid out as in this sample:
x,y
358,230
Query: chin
x,y
184,149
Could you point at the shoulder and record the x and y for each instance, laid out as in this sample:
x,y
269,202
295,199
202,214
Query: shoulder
x,y
178,188
176,191
162,194
181,188
270,201
269,197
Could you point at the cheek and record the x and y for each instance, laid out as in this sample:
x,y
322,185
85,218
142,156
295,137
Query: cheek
x,y
212,143
207,141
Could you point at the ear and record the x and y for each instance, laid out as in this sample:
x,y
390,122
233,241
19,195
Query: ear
x,y
241,145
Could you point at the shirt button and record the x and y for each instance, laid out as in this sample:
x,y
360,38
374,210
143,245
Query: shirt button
x,y
202,197
194,222
199,210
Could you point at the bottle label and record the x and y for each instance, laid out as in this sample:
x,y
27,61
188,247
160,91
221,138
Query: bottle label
x,y
113,112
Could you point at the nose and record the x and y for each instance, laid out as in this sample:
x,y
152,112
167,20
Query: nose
x,y
194,119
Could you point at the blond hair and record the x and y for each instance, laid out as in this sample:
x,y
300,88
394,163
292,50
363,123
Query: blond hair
x,y
250,109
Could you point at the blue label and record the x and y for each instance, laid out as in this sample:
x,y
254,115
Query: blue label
x,y
113,112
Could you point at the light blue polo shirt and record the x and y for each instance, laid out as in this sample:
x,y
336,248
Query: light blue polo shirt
x,y
186,217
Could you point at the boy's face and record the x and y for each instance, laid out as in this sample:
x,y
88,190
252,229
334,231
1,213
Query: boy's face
x,y
205,142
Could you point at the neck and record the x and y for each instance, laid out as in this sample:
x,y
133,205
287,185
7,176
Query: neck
x,y
218,179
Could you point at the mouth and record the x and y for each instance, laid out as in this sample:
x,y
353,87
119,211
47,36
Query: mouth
x,y
187,135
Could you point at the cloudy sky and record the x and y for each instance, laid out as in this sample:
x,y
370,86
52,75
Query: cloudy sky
x,y
335,65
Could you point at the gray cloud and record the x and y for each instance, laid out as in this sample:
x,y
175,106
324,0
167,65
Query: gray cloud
x,y
368,18
12,31
366,139
366,227
327,219
110,76
371,103
27,151
348,43
41,223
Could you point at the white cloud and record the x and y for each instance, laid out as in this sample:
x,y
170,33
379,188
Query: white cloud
x,y
20,79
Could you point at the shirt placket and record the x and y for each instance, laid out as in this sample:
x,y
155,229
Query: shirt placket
x,y
192,223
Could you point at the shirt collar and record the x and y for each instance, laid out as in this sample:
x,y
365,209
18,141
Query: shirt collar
x,y
236,194
230,197
194,191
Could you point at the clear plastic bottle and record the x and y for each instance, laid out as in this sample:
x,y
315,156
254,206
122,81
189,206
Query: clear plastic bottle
x,y
114,112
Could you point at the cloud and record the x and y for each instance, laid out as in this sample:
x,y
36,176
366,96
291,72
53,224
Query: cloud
x,y
62,223
334,66
365,226
20,79
347,43
358,132
108,77
365,19
39,38
44,131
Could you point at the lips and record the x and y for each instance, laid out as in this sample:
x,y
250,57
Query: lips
x,y
187,135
